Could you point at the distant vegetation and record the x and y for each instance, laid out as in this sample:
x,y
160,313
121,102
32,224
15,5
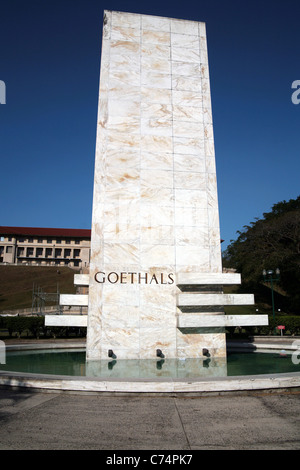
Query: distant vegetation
x,y
269,243
33,326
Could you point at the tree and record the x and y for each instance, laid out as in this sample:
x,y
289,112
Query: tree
x,y
269,243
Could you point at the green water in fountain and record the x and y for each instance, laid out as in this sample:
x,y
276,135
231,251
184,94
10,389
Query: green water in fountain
x,y
73,363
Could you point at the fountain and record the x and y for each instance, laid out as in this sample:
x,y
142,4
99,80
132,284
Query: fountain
x,y
155,283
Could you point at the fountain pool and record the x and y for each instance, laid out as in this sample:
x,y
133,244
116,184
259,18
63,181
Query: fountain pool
x,y
67,369
72,363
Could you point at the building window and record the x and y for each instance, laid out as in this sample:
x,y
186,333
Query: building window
x,y
30,240
29,252
49,240
76,253
20,251
57,252
77,242
21,239
40,240
68,241
48,252
9,249
39,252
67,252
58,241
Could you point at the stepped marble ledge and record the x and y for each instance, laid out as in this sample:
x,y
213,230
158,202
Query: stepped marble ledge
x,y
192,299
208,278
78,300
205,321
66,320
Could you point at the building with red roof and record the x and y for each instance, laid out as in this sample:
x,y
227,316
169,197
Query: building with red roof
x,y
45,246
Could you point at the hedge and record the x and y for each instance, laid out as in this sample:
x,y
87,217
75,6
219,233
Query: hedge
x,y
36,326
291,323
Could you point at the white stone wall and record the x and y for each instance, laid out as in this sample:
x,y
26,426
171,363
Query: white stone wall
x,y
155,206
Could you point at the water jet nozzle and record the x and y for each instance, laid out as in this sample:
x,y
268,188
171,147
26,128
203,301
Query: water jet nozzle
x,y
159,353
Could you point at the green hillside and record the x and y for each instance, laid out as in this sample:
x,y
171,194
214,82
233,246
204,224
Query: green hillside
x,y
270,243
17,282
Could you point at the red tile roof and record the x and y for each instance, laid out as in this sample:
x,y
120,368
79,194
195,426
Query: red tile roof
x,y
49,232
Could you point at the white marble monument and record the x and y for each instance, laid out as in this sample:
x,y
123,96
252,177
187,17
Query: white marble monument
x,y
155,281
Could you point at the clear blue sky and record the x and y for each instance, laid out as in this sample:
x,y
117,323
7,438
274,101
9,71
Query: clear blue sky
x,y
50,61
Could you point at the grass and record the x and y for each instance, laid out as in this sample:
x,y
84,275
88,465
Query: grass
x,y
16,284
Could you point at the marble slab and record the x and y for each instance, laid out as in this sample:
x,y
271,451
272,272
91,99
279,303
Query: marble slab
x,y
214,299
66,320
205,321
208,278
74,299
81,279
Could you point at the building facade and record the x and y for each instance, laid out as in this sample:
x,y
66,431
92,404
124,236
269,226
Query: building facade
x,y
45,246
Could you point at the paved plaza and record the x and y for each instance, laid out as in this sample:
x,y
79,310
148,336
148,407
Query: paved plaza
x,y
54,421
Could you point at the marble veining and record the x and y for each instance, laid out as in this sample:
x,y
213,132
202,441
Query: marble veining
x,y
155,205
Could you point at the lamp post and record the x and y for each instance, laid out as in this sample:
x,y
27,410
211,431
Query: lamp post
x,y
268,277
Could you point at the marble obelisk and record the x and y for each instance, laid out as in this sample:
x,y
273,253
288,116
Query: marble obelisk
x,y
155,286
155,210
155,280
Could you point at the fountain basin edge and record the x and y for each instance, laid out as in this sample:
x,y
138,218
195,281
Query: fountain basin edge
x,y
160,385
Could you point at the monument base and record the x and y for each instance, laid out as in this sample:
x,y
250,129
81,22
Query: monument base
x,y
190,325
